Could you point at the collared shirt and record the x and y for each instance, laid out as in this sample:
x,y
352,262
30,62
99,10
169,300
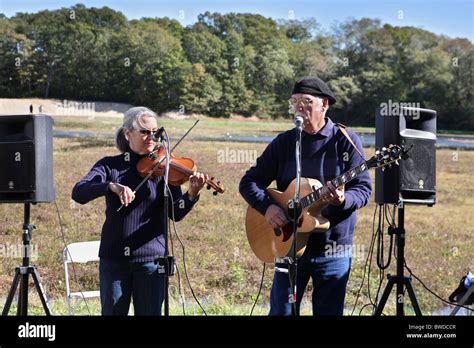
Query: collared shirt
x,y
324,156
136,232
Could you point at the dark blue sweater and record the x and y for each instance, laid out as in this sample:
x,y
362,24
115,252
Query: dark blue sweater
x,y
324,156
135,232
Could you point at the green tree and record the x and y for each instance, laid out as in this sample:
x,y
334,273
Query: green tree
x,y
202,92
158,66
16,68
202,46
459,100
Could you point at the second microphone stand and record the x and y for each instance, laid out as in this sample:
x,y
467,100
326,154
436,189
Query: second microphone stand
x,y
168,259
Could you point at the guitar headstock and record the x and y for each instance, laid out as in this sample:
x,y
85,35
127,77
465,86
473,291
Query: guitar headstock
x,y
386,156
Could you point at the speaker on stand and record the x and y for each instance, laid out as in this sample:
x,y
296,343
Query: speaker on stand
x,y
412,182
26,157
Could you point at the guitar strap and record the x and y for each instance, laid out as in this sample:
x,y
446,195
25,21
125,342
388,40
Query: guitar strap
x,y
342,128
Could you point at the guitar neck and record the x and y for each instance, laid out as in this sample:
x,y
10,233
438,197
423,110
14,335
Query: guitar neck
x,y
343,179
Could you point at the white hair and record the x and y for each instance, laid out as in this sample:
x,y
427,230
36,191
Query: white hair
x,y
132,120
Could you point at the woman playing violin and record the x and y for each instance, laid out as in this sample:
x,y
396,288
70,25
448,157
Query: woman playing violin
x,y
133,238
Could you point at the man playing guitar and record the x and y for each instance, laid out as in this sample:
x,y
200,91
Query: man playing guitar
x,y
325,153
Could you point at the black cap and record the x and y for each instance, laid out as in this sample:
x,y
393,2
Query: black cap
x,y
315,86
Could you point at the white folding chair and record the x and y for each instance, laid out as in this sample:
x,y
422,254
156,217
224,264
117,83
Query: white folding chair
x,y
81,252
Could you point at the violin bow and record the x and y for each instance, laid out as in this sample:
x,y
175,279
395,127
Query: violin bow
x,y
145,179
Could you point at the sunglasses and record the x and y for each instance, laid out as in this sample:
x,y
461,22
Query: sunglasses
x,y
147,132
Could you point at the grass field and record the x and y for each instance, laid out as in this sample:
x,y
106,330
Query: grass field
x,y
207,126
222,269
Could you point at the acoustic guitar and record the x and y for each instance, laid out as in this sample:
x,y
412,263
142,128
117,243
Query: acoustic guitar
x,y
268,243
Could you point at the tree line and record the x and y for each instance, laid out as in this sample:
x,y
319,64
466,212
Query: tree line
x,y
234,63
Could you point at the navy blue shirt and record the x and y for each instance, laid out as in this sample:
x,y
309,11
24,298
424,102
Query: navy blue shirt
x,y
136,232
324,156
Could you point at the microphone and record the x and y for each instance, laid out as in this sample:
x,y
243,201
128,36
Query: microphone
x,y
158,135
298,121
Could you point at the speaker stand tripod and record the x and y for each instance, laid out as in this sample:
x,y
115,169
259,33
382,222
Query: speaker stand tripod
x,y
22,273
400,279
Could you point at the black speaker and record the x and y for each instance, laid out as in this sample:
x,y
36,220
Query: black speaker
x,y
414,180
26,158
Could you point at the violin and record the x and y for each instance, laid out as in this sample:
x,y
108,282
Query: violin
x,y
180,169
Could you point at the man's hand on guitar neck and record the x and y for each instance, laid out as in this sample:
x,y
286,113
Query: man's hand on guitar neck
x,y
332,195
276,216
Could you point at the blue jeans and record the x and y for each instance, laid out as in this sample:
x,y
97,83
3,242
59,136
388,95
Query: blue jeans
x,y
330,276
121,279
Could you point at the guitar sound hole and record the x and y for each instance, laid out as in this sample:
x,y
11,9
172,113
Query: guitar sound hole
x,y
277,232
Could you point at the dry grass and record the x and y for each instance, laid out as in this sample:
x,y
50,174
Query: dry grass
x,y
223,271
208,126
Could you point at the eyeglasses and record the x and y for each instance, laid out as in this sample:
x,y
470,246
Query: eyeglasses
x,y
147,132
304,100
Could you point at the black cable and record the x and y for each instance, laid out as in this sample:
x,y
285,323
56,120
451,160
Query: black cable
x,y
380,253
387,214
184,252
380,250
372,302
379,287
365,266
392,215
259,290
376,234
371,252
366,305
431,291
380,241
366,262
177,268
72,261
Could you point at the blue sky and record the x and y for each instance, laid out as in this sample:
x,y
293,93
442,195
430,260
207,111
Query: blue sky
x,y
454,18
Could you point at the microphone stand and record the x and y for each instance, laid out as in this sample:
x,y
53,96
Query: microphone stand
x,y
293,265
169,264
